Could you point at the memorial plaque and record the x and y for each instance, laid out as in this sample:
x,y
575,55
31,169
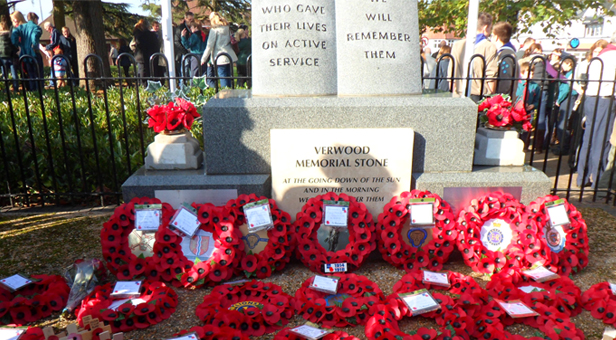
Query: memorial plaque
x,y
378,47
372,165
293,48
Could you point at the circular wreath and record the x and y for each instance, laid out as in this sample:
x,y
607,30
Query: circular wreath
x,y
211,332
524,248
362,236
34,301
553,324
160,303
114,240
567,245
431,254
280,242
337,335
601,302
561,293
254,307
173,265
350,306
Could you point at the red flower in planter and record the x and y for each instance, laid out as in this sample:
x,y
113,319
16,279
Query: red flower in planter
x,y
498,111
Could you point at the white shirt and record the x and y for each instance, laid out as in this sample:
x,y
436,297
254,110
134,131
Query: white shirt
x,y
605,87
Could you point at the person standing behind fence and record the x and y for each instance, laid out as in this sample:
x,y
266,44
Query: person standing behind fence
x,y
124,61
534,55
8,53
527,43
442,68
244,45
196,42
179,49
146,44
219,41
507,61
594,150
26,36
529,97
72,53
564,105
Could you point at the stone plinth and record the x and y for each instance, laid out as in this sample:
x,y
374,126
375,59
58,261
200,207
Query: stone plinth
x,y
498,147
237,138
377,47
171,152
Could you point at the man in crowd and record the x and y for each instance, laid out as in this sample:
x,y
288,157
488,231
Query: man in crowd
x,y
529,41
181,50
72,53
508,69
56,40
442,44
429,64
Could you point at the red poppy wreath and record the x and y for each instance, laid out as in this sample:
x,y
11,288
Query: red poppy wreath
x,y
350,306
211,332
361,234
253,307
567,244
279,241
208,257
156,303
34,301
492,236
337,335
600,300
118,250
561,293
409,246
554,325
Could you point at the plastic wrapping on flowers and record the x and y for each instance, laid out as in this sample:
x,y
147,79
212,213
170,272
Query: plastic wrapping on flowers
x,y
255,308
337,335
361,230
216,231
280,239
117,251
352,304
211,332
82,276
600,300
33,302
422,246
566,245
493,235
156,303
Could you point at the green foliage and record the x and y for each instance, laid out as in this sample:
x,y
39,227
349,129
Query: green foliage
x,y
59,136
117,19
237,11
451,15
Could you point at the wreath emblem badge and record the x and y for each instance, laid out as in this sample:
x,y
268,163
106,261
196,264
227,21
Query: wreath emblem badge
x,y
417,237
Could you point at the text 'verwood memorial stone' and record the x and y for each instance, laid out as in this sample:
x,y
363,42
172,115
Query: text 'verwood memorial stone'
x,y
378,47
293,47
373,165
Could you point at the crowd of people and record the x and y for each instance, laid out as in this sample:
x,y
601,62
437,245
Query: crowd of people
x,y
571,102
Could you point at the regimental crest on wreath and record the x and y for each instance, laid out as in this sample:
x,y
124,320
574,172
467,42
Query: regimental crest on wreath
x,y
556,238
141,243
495,237
199,245
335,299
496,234
417,236
245,305
252,240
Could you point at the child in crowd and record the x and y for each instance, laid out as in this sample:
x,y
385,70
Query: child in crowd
x,y
59,67
530,97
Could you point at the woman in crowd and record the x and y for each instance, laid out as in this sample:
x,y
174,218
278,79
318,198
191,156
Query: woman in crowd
x,y
442,67
146,43
8,53
26,35
219,41
195,42
244,46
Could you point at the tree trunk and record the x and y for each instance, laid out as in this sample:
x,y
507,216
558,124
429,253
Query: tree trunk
x,y
91,39
4,13
58,14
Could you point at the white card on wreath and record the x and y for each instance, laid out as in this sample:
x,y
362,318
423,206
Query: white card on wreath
x,y
609,333
439,279
117,303
530,289
126,289
11,333
185,221
558,215
187,336
422,214
336,216
540,274
258,216
517,309
15,282
613,288
325,284
310,332
420,301
147,220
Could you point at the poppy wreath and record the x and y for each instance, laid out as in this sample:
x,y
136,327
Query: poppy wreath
x,y
160,303
431,254
211,332
601,302
280,243
490,212
182,272
567,258
255,308
561,293
553,324
350,306
362,236
337,335
114,240
34,301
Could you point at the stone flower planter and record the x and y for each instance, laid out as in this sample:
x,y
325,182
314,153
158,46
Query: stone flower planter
x,y
495,146
174,151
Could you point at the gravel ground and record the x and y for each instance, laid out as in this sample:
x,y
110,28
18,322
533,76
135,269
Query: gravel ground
x,y
47,243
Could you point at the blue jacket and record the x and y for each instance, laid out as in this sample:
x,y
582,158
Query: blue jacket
x,y
534,92
27,36
195,43
563,89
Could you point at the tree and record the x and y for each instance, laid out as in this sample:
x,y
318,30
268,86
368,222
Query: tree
x,y
91,38
451,15
58,14
4,13
233,10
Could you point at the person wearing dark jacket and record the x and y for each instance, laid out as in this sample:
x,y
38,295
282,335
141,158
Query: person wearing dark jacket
x,y
124,60
72,53
8,53
179,49
146,44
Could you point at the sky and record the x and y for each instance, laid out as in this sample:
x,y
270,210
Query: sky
x,y
47,5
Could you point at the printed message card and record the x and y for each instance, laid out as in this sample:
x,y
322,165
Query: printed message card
x,y
148,217
540,273
308,331
517,309
185,221
258,215
126,289
558,213
439,279
16,282
420,301
326,284
11,333
336,213
422,211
